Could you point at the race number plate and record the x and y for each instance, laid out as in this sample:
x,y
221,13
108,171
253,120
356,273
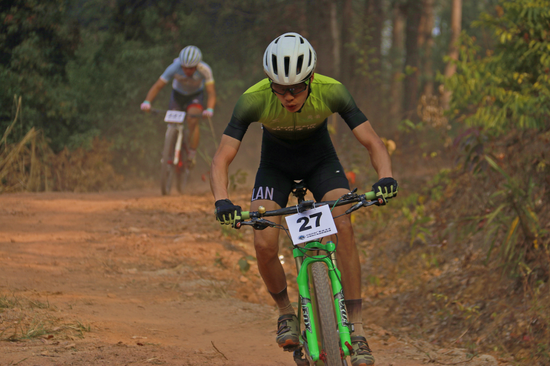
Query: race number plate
x,y
311,225
174,116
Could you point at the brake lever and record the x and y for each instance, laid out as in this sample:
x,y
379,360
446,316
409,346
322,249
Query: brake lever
x,y
258,224
364,203
261,224
355,207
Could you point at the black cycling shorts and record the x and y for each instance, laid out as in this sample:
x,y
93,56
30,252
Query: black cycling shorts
x,y
312,160
180,102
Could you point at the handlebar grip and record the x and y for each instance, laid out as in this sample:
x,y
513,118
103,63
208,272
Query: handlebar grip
x,y
370,195
245,215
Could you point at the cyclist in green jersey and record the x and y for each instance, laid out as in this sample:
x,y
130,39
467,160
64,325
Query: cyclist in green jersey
x,y
292,105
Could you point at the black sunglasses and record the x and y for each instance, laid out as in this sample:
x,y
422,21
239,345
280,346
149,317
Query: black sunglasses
x,y
293,90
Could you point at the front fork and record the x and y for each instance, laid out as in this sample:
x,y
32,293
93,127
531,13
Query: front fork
x,y
302,265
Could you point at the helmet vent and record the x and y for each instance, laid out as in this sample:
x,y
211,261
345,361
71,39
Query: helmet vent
x,y
274,63
299,64
287,66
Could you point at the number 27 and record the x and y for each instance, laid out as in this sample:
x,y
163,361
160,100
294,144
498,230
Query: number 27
x,y
305,221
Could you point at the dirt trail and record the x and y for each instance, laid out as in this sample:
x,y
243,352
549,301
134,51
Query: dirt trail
x,y
133,278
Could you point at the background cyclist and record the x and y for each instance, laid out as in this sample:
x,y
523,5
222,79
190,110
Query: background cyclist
x,y
191,76
293,104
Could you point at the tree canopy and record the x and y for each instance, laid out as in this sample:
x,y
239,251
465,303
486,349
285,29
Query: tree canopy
x,y
507,86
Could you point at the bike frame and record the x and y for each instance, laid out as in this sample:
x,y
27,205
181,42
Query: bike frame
x,y
179,142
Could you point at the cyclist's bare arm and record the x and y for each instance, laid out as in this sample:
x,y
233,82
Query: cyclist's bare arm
x,y
379,156
211,91
225,154
152,94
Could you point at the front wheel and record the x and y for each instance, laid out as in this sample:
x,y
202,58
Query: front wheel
x,y
327,314
167,170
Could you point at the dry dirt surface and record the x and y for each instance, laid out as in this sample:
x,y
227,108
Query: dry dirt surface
x,y
135,278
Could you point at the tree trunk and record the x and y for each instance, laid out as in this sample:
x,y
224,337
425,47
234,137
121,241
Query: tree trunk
x,y
450,68
336,46
412,58
396,55
426,42
321,35
374,25
348,61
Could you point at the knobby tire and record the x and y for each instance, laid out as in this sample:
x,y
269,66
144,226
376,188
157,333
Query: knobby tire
x,y
327,316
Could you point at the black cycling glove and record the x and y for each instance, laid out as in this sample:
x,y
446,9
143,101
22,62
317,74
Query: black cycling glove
x,y
385,188
227,213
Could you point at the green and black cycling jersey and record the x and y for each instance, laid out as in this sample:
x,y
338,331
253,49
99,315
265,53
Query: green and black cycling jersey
x,y
259,104
295,146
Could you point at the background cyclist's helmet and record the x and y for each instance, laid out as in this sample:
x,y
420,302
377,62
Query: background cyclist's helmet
x,y
190,56
289,59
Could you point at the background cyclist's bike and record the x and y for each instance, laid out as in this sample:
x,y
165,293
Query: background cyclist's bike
x,y
175,167
325,338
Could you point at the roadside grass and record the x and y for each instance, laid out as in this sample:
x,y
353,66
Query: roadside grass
x,y
23,319
31,165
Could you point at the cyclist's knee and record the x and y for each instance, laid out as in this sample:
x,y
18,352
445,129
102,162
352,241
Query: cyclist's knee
x,y
192,123
265,248
343,225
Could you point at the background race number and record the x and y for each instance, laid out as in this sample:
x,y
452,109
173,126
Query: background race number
x,y
311,225
174,116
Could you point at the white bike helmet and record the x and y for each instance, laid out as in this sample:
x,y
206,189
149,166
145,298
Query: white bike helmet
x,y
289,59
190,56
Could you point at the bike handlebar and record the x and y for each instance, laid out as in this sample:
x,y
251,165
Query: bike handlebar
x,y
158,111
366,199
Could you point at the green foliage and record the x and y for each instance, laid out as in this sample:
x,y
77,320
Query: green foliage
x,y
414,206
471,144
515,211
508,87
36,43
244,264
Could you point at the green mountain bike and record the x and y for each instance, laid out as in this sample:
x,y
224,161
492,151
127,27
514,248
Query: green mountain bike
x,y
325,338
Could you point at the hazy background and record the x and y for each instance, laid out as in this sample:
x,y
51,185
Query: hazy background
x,y
82,68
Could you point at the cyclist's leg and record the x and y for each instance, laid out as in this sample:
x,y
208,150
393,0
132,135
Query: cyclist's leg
x,y
195,106
194,111
266,243
271,191
192,105
347,251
